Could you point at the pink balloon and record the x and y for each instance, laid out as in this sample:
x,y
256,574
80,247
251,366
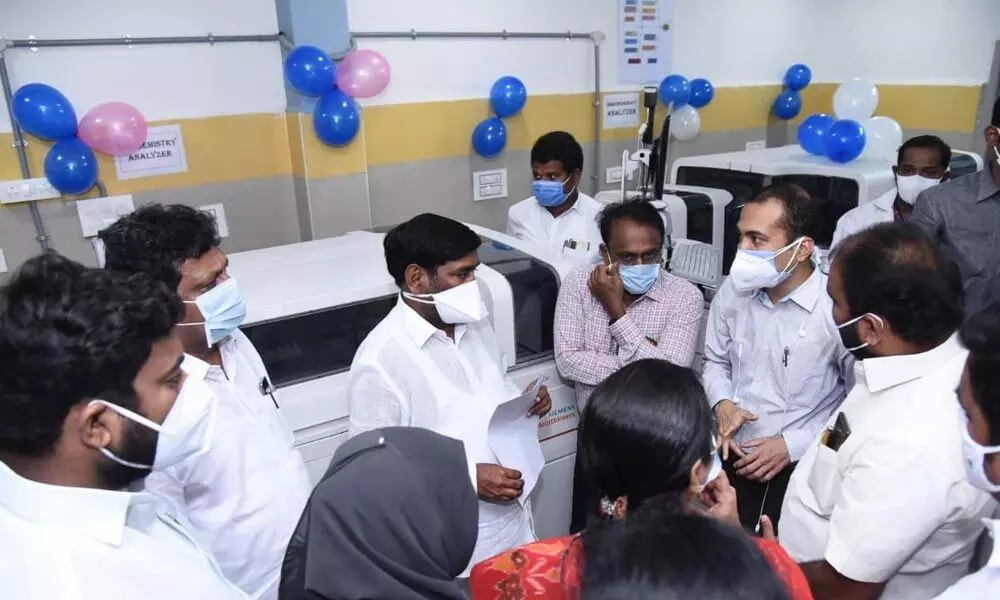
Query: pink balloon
x,y
114,128
363,74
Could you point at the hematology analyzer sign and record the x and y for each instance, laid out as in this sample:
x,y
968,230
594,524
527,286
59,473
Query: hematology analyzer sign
x,y
621,111
161,154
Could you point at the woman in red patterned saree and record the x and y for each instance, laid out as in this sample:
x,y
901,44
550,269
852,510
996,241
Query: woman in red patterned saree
x,y
647,442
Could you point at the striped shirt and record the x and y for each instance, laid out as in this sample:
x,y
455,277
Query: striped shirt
x,y
783,362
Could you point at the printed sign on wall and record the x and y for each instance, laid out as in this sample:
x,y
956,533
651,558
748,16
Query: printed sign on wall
x,y
645,40
161,154
621,111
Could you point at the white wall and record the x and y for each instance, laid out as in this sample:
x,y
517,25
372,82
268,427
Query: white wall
x,y
164,82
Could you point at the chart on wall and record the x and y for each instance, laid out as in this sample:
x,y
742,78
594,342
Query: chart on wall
x,y
645,39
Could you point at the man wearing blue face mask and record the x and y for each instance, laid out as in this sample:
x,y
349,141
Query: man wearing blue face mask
x,y
559,217
774,366
625,309
245,493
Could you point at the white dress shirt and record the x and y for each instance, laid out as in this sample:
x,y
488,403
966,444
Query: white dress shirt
x,y
985,583
869,214
574,235
68,543
783,362
892,504
244,496
409,373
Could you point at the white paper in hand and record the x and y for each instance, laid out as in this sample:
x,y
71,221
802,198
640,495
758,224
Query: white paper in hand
x,y
513,436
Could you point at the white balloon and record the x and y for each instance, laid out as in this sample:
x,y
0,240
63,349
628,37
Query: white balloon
x,y
856,100
883,137
685,123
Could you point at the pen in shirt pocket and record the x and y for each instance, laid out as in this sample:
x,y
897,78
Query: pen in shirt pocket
x,y
268,389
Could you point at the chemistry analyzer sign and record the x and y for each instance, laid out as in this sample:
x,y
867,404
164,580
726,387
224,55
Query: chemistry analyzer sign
x,y
161,154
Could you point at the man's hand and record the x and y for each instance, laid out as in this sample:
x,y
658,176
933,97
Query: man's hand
x,y
543,403
606,285
730,418
497,483
767,529
766,457
720,499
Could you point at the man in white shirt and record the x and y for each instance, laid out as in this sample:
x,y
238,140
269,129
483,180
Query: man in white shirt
x,y
922,163
559,217
245,495
92,397
774,368
879,506
435,362
979,395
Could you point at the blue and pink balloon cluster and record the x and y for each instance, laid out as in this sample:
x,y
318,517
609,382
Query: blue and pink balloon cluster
x,y
361,74
684,99
507,97
788,104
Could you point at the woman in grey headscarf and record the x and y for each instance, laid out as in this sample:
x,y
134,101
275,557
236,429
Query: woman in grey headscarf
x,y
394,518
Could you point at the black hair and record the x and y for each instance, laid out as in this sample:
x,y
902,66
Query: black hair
x,y
428,241
654,410
157,239
996,113
981,335
561,146
931,142
639,211
895,271
654,555
69,333
799,216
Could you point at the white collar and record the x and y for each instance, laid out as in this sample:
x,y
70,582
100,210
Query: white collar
x,y
581,199
886,200
100,514
884,372
417,327
806,295
993,526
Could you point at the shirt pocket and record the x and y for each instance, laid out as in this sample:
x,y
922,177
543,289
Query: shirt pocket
x,y
811,370
824,479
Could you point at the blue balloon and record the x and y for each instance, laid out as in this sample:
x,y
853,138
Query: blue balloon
x,y
71,167
787,105
44,112
812,133
702,92
508,96
845,141
489,137
310,71
336,118
798,77
675,90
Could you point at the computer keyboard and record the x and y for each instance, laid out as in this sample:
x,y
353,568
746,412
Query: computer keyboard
x,y
698,262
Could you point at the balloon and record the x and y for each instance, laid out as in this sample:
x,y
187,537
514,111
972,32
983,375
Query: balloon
x,y
885,136
71,167
489,137
114,128
845,141
44,112
508,96
675,90
787,105
363,74
310,70
812,133
855,100
798,77
702,92
336,118
685,123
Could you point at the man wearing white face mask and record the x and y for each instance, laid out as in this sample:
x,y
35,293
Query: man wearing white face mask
x,y
979,395
245,494
922,163
879,506
963,216
774,367
93,398
435,362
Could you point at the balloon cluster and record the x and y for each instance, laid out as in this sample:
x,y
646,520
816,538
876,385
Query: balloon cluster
x,y
361,74
113,128
507,97
684,99
788,104
854,132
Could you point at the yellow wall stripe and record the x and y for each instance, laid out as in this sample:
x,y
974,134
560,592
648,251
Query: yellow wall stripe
x,y
323,161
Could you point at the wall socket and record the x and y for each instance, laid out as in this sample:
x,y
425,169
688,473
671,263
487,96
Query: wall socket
x,y
757,145
219,212
27,190
488,185
613,175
